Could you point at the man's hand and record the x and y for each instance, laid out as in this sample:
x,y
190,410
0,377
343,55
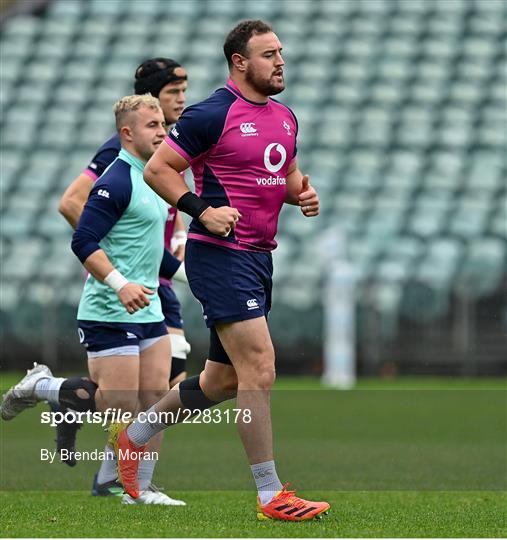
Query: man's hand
x,y
308,198
220,220
133,297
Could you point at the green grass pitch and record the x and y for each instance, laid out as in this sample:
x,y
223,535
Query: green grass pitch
x,y
406,458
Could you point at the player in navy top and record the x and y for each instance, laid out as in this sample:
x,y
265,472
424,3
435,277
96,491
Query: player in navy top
x,y
241,145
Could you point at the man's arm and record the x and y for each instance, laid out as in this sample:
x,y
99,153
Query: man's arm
x,y
99,216
162,174
75,197
172,268
300,193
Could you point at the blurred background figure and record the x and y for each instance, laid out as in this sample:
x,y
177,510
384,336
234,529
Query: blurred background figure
x,y
402,112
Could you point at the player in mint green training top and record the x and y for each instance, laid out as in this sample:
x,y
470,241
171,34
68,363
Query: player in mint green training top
x,y
120,241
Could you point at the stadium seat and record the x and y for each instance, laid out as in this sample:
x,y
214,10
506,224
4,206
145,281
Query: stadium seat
x,y
401,109
499,221
483,267
112,8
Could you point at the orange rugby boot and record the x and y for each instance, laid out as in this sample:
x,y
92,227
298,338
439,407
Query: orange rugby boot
x,y
285,505
128,456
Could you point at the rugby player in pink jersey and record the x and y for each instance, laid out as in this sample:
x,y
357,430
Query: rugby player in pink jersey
x,y
241,146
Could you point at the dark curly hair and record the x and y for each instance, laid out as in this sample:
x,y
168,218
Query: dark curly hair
x,y
237,39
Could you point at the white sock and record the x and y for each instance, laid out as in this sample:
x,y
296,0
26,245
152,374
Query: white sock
x,y
107,471
267,481
145,472
141,432
47,389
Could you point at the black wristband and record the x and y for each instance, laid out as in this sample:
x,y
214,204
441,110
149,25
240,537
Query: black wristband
x,y
191,204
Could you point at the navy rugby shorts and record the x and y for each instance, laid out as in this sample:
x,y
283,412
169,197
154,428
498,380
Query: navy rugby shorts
x,y
98,336
231,285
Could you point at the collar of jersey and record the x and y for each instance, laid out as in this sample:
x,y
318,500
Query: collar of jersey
x,y
231,85
131,160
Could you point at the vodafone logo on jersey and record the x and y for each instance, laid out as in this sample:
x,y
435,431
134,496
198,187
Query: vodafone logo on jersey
x,y
248,129
273,163
270,166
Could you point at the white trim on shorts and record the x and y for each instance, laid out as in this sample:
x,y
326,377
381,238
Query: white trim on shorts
x,y
145,343
126,350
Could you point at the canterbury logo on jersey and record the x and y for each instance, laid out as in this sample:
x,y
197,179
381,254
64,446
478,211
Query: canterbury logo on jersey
x,y
252,304
103,193
248,129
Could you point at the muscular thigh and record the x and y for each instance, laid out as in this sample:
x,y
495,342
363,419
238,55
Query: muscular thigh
x,y
115,372
247,343
118,380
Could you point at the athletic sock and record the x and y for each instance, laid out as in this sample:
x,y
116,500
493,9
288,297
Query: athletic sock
x,y
107,471
141,432
267,481
47,389
145,473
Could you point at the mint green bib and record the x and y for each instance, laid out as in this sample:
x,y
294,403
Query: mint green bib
x,y
135,246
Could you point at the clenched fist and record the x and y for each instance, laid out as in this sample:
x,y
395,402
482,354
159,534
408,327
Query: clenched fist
x,y
221,220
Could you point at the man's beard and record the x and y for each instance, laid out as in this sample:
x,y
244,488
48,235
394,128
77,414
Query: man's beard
x,y
266,88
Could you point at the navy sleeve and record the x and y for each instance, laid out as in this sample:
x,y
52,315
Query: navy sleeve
x,y
169,265
105,155
295,122
297,131
201,125
108,200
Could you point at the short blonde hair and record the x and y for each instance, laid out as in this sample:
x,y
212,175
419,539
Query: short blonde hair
x,y
125,106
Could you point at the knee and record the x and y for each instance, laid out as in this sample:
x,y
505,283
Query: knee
x,y
263,378
219,386
78,393
259,373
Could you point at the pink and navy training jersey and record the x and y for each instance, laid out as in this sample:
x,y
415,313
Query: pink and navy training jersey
x,y
105,155
239,152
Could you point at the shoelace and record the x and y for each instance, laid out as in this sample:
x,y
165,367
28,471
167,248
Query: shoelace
x,y
290,497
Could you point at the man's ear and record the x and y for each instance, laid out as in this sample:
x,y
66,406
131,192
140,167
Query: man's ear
x,y
126,133
239,62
